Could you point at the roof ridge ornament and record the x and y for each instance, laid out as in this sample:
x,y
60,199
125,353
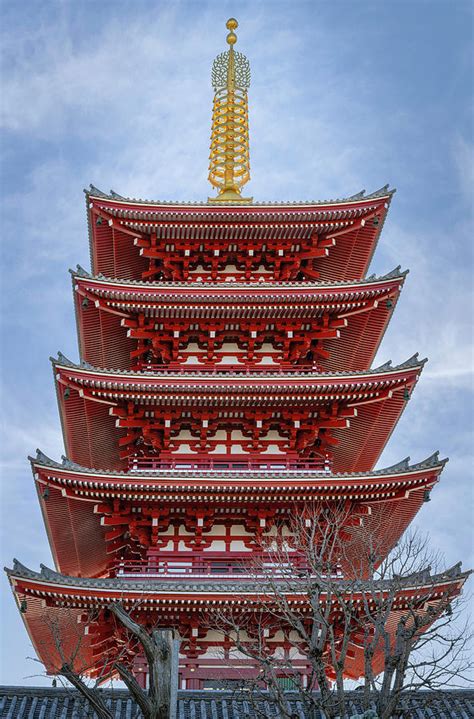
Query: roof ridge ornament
x,y
432,461
396,272
63,360
384,367
357,196
413,361
402,466
43,458
80,272
229,165
116,196
95,192
382,191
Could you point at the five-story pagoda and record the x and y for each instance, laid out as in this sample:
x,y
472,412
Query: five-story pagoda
x,y
224,384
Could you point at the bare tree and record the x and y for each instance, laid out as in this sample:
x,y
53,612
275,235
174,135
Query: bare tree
x,y
326,583
160,647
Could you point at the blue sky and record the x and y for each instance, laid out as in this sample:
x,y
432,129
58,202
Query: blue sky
x,y
344,96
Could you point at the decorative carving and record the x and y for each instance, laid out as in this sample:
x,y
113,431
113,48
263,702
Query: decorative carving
x,y
220,68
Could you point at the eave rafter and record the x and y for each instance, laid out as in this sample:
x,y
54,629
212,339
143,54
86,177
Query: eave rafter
x,y
55,584
314,297
335,386
179,483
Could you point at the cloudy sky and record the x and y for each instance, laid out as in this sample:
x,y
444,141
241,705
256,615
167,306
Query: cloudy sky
x,y
345,95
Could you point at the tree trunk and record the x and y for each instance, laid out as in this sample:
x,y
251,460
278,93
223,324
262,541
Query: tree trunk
x,y
161,673
161,649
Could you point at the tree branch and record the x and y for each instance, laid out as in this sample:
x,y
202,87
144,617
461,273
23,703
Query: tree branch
x,y
92,696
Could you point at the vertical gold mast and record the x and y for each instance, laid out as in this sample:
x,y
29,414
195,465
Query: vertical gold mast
x,y
229,166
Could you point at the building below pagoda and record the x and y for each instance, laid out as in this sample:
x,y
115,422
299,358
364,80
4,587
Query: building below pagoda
x,y
48,703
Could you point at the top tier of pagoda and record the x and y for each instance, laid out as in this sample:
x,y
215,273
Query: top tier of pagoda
x,y
231,283
155,241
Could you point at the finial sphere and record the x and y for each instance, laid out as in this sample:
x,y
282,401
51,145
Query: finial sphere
x,y
232,38
232,23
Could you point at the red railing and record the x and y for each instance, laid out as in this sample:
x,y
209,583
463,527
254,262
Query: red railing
x,y
226,368
211,565
235,462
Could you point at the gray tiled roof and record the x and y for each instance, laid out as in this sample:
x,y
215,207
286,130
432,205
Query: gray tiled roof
x,y
396,273
46,703
420,579
399,467
387,367
358,197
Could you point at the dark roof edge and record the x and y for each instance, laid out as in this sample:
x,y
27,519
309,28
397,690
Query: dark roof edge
x,y
396,273
46,574
400,467
12,690
409,363
358,197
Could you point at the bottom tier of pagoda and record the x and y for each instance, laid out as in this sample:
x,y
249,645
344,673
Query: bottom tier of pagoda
x,y
55,605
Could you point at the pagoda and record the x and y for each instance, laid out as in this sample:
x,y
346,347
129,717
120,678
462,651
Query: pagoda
x,y
224,383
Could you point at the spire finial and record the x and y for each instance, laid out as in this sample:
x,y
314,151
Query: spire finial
x,y
232,25
229,167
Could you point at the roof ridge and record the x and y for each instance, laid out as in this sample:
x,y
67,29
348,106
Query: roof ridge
x,y
419,578
381,192
402,466
409,363
371,279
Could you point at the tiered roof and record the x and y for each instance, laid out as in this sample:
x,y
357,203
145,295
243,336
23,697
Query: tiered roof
x,y
370,402
362,309
75,499
339,236
49,591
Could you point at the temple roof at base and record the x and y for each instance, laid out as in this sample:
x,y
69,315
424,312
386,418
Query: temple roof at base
x,y
59,703
358,197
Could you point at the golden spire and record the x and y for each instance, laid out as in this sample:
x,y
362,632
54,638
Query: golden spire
x,y
229,167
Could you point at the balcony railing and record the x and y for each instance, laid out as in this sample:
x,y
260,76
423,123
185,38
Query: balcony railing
x,y
196,368
209,566
235,462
